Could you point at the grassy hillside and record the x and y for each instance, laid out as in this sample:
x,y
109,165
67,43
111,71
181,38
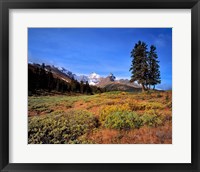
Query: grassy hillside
x,y
106,118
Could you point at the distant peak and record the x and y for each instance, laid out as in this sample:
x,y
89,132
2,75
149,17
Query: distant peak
x,y
94,75
112,77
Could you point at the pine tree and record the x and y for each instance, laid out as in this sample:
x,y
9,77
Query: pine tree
x,y
82,87
154,72
43,77
139,66
73,86
50,81
88,88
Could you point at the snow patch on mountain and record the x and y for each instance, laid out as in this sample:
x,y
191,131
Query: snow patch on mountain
x,y
66,72
94,78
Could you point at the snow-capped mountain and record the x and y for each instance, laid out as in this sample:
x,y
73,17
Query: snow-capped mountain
x,y
94,78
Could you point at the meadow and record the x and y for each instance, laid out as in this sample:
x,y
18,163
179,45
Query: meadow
x,y
107,118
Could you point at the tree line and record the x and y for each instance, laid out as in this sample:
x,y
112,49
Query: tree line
x,y
41,80
145,66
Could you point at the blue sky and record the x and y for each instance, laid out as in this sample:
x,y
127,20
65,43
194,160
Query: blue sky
x,y
100,50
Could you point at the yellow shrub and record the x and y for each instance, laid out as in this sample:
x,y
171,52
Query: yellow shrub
x,y
106,110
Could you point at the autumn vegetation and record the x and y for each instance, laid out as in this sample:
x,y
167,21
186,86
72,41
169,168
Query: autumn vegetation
x,y
105,118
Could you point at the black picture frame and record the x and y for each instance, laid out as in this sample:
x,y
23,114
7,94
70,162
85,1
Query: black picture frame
x,y
5,5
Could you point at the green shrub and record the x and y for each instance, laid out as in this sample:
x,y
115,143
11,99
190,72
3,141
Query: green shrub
x,y
122,120
62,128
120,117
151,119
109,109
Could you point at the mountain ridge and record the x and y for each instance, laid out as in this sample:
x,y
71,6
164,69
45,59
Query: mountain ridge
x,y
109,83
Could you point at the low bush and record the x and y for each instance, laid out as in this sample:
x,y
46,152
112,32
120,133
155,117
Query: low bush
x,y
106,110
122,120
121,117
151,119
62,128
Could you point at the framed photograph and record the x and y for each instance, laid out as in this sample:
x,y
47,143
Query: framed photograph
x,y
104,85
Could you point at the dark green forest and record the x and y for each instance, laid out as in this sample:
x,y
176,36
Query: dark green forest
x,y
40,80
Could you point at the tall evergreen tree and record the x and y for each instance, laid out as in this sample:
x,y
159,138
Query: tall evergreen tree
x,y
73,86
82,87
43,77
154,72
139,66
88,88
50,81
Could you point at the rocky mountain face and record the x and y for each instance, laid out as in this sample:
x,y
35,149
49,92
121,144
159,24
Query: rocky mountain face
x,y
109,82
